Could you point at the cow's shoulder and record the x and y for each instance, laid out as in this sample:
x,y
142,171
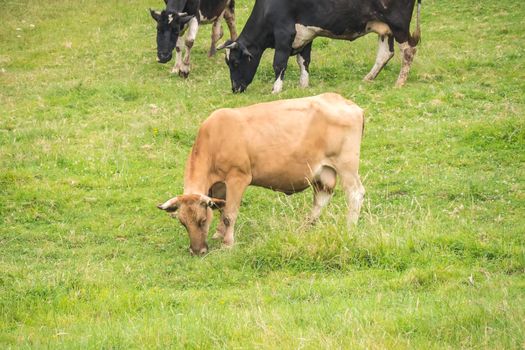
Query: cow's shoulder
x,y
220,116
221,124
339,110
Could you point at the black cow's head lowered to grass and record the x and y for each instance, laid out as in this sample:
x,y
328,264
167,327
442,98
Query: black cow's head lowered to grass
x,y
242,64
169,26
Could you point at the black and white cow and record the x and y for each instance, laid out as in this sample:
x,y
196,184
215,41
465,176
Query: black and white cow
x,y
290,26
186,15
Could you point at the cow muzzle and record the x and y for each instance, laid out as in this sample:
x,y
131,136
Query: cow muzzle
x,y
164,58
238,88
199,251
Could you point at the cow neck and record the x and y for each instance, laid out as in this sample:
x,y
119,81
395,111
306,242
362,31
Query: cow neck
x,y
254,33
197,175
176,6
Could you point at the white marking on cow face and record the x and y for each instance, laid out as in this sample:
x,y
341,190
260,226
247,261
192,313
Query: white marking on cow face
x,y
303,79
170,19
378,27
304,35
227,52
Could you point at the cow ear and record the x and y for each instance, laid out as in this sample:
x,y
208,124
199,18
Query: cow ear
x,y
170,205
216,203
155,14
245,52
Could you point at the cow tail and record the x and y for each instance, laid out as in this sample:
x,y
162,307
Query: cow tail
x,y
415,38
363,127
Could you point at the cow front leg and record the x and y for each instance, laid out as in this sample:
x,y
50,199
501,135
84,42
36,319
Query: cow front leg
x,y
407,56
216,35
280,62
229,17
303,60
178,55
193,27
385,52
234,190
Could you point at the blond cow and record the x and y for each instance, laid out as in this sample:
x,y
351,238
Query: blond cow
x,y
286,146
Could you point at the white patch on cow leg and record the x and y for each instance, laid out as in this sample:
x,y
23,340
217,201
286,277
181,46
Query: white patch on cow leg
x,y
278,84
355,200
178,55
407,56
321,199
383,56
303,79
354,196
193,27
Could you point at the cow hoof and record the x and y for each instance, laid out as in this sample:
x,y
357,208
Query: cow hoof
x,y
399,84
368,78
212,52
184,74
227,243
304,81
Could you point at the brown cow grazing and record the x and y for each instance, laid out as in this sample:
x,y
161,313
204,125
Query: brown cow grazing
x,y
286,146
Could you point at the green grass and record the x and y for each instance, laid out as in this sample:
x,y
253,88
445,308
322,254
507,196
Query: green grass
x,y
94,133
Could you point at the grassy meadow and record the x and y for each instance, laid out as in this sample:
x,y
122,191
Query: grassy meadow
x,y
94,133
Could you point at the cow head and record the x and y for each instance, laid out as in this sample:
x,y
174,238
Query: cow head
x,y
194,212
169,26
242,64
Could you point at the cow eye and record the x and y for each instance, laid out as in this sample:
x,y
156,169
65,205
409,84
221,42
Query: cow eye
x,y
202,222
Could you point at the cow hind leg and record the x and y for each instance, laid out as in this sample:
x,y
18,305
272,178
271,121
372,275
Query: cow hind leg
x,y
303,60
407,55
385,52
229,17
347,169
355,193
323,187
216,35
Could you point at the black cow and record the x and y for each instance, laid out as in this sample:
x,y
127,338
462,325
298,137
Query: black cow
x,y
290,26
182,15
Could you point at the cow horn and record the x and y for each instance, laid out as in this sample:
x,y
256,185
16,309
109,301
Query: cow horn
x,y
182,14
170,205
228,45
154,14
